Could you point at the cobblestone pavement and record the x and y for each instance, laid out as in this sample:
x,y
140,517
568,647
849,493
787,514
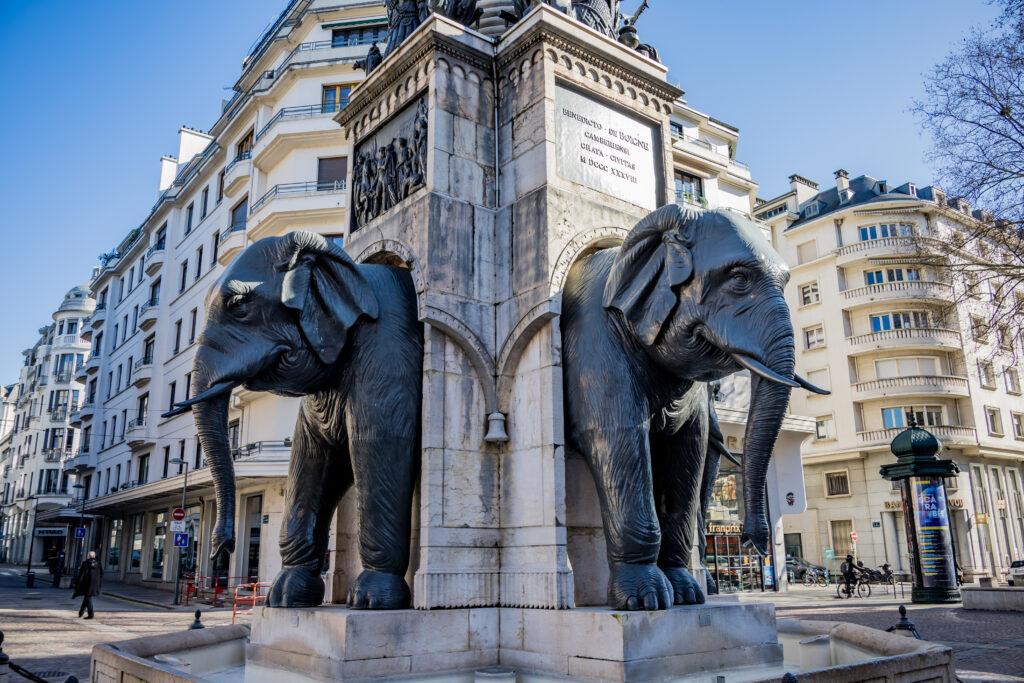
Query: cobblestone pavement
x,y
989,646
42,631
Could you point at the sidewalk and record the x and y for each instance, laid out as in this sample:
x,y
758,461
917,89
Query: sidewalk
x,y
130,592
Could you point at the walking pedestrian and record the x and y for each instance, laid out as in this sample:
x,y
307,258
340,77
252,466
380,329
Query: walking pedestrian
x,y
89,583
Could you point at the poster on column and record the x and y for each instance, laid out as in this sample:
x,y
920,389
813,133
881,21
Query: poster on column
x,y
934,542
606,149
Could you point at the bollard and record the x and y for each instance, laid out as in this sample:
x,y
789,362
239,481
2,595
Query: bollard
x,y
196,624
905,625
4,661
30,580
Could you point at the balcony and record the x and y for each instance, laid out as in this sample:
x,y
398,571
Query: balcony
x,y
92,366
58,413
921,337
707,151
79,462
135,435
947,434
307,203
912,385
99,316
155,258
86,335
56,454
81,374
895,291
293,127
69,340
143,372
148,313
868,249
231,242
83,413
63,377
264,450
236,174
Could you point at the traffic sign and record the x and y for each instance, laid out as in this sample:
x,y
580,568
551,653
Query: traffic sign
x,y
853,535
180,540
80,532
178,527
830,554
177,514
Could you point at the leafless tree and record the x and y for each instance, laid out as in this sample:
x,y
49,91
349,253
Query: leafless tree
x,y
973,110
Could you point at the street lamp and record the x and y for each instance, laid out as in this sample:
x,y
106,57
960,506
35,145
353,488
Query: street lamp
x,y
30,578
81,522
184,487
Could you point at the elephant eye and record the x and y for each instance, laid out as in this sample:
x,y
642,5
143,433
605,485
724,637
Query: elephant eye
x,y
238,306
740,279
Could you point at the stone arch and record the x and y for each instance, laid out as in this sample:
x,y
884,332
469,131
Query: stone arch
x,y
393,252
580,245
515,344
475,350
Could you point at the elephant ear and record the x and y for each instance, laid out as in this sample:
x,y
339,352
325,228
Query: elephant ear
x,y
326,287
652,264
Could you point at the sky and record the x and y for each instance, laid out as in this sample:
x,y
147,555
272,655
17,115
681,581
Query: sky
x,y
98,90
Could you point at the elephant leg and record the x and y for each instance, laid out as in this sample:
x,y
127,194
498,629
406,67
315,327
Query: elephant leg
x,y
619,460
385,469
712,462
680,466
318,477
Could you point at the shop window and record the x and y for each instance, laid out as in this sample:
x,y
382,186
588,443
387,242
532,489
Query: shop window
x,y
156,569
114,541
135,566
842,543
837,484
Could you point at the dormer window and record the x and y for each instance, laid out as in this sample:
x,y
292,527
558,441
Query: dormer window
x,y
912,190
882,189
811,210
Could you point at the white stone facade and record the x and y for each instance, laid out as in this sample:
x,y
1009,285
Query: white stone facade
x,y
879,332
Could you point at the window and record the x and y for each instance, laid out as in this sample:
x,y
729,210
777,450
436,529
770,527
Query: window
x,y
689,188
156,568
979,330
192,325
177,336
1005,340
183,281
809,294
842,543
819,378
216,245
233,431
814,337
188,385
925,416
113,343
204,202
172,388
238,214
676,128
337,238
334,98
143,469
811,209
167,460
199,262
1018,425
220,187
1012,381
874,232
825,428
806,252
243,150
906,367
331,173
188,217
348,37
994,418
873,277
986,375
147,350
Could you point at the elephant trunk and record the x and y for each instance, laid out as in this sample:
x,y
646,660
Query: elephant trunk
x,y
768,402
211,419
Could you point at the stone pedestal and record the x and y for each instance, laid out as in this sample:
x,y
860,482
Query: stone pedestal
x,y
583,644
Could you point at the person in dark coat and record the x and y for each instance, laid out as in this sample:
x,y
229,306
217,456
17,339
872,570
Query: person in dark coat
x,y
89,583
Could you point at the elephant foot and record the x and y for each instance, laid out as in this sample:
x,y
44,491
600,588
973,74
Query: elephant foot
x,y
296,587
711,583
379,590
685,588
638,586
756,534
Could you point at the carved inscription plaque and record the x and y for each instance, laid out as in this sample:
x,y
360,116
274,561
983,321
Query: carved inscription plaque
x,y
606,149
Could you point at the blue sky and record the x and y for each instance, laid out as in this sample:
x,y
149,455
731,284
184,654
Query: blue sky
x,y
96,92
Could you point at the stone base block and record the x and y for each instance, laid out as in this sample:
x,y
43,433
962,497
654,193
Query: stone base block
x,y
591,643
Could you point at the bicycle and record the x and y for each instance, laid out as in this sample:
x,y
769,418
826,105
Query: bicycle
x,y
862,589
815,578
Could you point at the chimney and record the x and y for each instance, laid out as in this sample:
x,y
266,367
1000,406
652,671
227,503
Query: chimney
x,y
168,169
842,181
805,189
190,143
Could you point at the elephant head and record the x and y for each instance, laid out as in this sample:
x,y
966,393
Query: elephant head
x,y
277,320
702,294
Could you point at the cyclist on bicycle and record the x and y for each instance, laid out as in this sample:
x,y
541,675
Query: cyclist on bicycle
x,y
849,570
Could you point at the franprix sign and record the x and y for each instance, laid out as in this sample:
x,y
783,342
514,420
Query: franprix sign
x,y
605,149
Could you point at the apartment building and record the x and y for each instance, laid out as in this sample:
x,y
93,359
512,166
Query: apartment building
x,y
40,448
882,332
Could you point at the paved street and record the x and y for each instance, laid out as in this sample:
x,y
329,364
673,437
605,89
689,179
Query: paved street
x,y
989,646
42,631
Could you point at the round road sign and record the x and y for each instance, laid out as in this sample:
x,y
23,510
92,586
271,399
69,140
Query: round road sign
x,y
178,514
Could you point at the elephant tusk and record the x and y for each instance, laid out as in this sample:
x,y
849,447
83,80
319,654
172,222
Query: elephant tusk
x,y
810,387
218,389
759,369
